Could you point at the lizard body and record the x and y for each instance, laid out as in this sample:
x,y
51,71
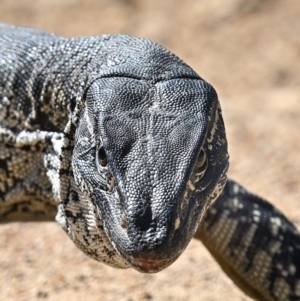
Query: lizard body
x,y
125,145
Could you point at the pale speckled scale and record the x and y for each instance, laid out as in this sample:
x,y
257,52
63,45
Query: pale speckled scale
x,y
254,244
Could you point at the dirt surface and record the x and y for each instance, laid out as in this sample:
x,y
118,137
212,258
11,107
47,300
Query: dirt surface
x,y
249,51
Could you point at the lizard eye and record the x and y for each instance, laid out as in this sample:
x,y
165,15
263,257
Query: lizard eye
x,y
202,163
101,157
201,158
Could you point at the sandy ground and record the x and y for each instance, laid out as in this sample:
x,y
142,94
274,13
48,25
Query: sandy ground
x,y
249,51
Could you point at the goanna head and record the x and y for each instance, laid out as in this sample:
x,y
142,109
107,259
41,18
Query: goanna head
x,y
150,154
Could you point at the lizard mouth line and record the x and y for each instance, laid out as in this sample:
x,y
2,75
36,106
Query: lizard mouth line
x,y
147,265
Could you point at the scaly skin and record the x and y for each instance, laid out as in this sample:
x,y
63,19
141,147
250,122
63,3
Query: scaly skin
x,y
126,145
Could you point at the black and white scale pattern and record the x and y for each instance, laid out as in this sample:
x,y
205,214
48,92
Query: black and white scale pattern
x,y
125,146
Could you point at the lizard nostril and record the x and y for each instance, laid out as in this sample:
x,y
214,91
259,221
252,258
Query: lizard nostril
x,y
144,219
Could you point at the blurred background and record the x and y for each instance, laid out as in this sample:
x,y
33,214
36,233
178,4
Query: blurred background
x,y
249,50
